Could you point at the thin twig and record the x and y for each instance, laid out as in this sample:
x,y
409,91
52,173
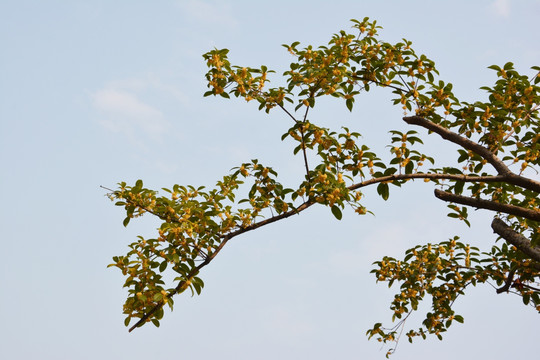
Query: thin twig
x,y
287,112
304,151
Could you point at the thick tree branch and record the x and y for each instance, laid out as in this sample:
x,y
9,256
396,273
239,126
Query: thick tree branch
x,y
516,239
489,205
461,141
484,152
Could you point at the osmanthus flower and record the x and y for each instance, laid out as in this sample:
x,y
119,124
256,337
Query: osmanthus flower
x,y
498,145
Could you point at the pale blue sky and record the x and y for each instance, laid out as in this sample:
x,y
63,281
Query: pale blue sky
x,y
97,92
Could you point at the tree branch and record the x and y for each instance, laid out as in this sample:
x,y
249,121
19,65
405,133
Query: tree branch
x,y
484,152
461,141
181,284
287,112
489,205
372,181
209,258
304,152
359,78
516,239
431,176
302,207
508,282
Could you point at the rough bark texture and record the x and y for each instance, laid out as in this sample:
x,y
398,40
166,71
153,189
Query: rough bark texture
x,y
516,239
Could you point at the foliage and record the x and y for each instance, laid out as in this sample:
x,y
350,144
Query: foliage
x,y
498,143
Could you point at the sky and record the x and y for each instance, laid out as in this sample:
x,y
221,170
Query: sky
x,y
97,92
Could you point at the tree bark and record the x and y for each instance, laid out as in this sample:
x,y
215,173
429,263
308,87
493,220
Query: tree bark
x,y
516,239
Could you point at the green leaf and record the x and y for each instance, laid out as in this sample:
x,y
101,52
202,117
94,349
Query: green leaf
x,y
197,287
349,104
126,221
463,156
478,167
163,266
409,168
337,212
383,190
508,66
458,187
390,171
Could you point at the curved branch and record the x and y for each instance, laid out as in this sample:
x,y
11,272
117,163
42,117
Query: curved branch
x,y
209,258
484,152
489,205
508,282
461,141
515,238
